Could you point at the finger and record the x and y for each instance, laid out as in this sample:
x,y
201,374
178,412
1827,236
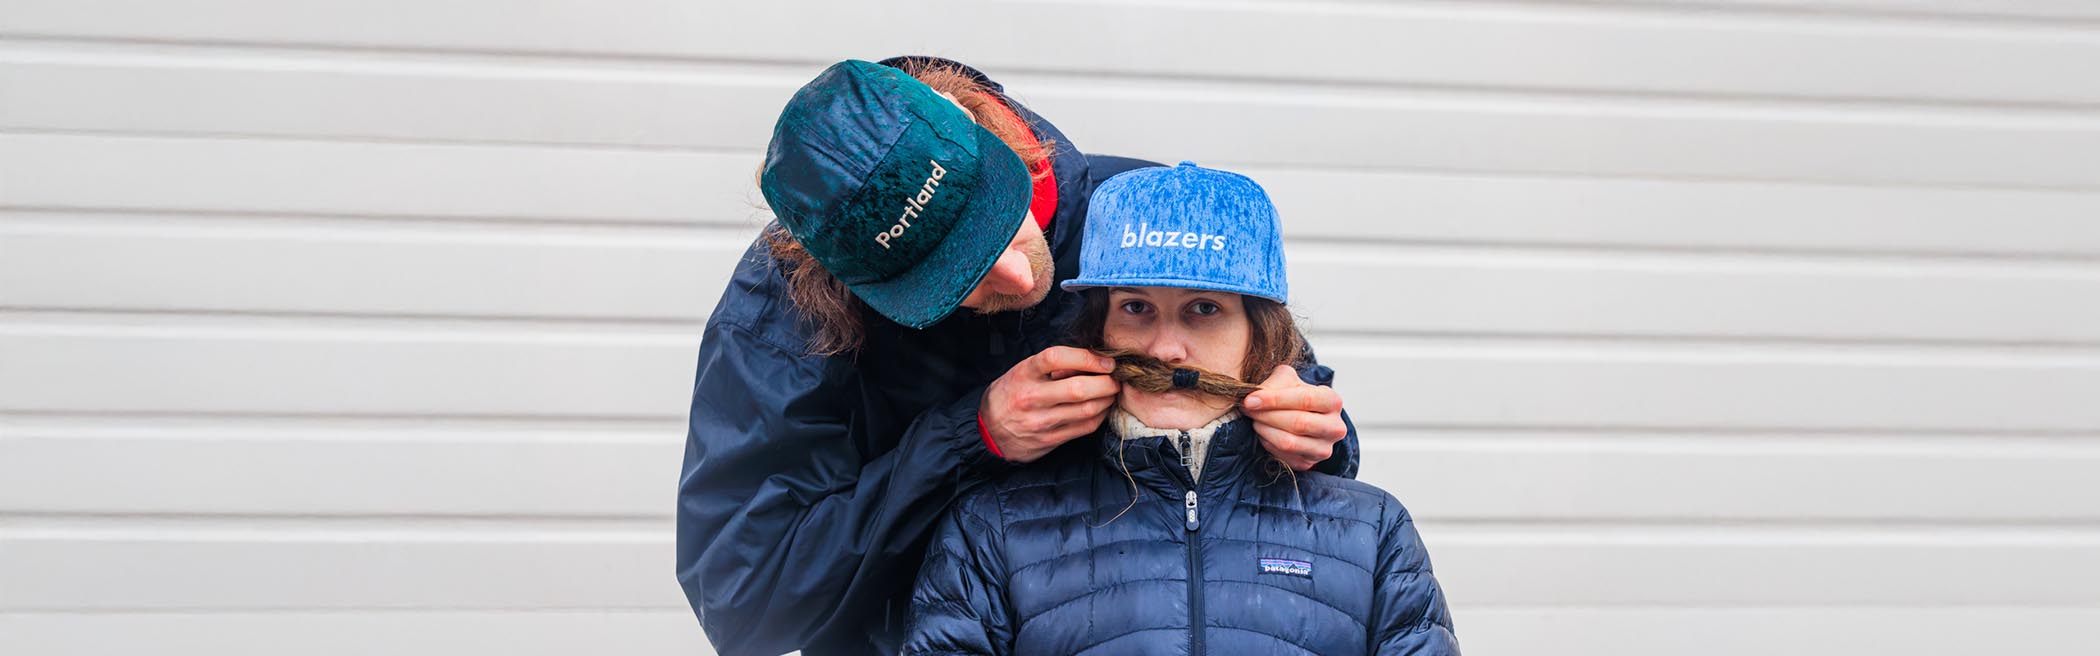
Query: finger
x,y
1305,398
1300,452
1076,428
1286,444
1065,358
1080,389
1094,411
1282,376
1295,462
1329,427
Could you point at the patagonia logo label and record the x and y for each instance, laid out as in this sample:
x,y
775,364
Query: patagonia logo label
x,y
1286,566
1145,236
913,205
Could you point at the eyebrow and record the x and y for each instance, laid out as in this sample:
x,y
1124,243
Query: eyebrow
x,y
1195,294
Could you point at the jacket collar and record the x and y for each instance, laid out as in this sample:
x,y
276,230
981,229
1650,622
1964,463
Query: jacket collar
x,y
1154,461
1129,427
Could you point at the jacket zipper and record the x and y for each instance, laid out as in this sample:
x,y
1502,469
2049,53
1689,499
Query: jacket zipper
x,y
1188,501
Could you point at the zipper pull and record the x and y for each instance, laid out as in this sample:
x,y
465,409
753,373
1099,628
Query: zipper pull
x,y
1189,500
1186,459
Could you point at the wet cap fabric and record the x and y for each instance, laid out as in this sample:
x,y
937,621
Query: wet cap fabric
x,y
1183,226
893,189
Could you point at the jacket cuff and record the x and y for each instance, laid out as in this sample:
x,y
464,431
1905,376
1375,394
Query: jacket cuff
x,y
1316,374
980,457
986,435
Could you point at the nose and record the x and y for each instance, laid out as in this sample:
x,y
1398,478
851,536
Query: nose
x,y
1169,345
1011,274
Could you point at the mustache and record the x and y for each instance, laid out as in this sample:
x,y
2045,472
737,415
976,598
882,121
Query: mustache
x,y
1150,374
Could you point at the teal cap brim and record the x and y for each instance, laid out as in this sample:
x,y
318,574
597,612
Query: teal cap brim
x,y
931,290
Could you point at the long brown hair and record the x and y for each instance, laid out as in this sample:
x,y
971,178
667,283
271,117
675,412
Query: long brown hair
x,y
829,307
1274,341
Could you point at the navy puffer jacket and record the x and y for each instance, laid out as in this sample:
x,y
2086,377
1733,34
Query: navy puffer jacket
x,y
1039,563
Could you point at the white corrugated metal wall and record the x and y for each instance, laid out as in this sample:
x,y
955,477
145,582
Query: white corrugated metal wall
x,y
1705,327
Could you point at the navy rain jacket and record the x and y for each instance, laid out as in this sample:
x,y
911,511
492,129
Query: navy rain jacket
x,y
811,484
1040,563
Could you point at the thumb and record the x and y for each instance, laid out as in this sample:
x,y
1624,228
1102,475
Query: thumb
x,y
1282,377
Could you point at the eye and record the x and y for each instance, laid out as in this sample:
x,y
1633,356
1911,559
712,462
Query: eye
x,y
1136,307
1204,308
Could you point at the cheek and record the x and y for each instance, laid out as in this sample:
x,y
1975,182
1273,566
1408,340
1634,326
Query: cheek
x,y
1224,351
1120,334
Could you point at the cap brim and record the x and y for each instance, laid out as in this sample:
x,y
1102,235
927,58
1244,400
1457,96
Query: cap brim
x,y
1084,283
931,290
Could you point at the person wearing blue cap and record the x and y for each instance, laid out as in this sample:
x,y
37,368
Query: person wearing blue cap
x,y
843,396
1172,530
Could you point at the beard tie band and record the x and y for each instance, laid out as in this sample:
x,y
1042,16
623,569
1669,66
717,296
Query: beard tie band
x,y
1185,378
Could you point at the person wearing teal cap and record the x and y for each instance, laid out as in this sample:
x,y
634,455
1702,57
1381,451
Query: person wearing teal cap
x,y
889,342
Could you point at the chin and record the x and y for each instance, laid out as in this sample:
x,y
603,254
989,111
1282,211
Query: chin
x,y
1174,410
998,304
1036,297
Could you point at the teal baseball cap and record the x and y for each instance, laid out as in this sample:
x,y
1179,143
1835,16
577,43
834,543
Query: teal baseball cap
x,y
1183,226
893,189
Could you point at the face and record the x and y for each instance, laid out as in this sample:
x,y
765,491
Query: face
x,y
1020,278
1192,327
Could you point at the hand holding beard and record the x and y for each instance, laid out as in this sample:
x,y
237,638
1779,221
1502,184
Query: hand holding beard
x,y
1047,400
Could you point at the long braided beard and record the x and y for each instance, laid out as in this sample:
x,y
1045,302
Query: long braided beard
x,y
1150,374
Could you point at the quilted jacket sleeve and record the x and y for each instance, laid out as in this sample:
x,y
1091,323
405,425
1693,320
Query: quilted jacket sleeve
x,y
959,605
1408,612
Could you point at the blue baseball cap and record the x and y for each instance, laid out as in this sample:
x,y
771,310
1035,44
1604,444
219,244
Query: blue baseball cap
x,y
1183,226
893,189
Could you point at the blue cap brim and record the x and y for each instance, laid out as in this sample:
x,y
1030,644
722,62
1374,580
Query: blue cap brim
x,y
1282,295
